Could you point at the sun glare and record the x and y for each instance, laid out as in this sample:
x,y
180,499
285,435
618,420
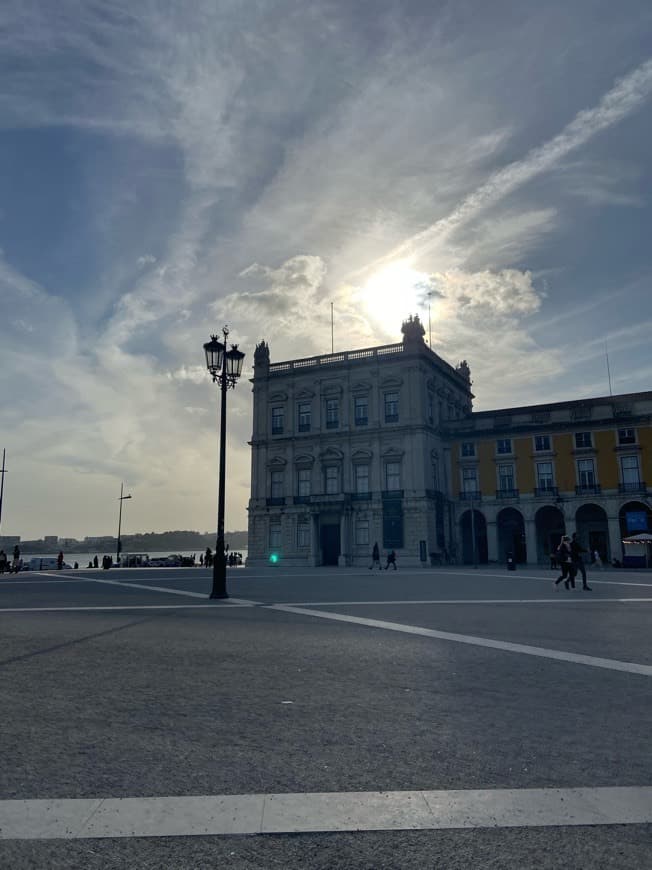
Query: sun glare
x,y
393,293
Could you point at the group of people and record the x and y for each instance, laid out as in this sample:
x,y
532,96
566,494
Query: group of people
x,y
13,566
375,559
208,558
569,557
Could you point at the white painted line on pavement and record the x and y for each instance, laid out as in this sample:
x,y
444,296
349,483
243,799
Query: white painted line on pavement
x,y
127,585
557,600
542,652
217,603
220,815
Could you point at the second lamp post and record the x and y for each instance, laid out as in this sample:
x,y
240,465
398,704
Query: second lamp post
x,y
225,367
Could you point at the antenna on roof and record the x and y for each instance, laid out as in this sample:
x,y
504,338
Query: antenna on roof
x,y
332,344
606,353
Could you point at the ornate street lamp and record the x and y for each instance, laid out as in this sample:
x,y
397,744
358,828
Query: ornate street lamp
x,y
225,367
119,547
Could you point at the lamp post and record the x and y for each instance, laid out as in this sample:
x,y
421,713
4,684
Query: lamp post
x,y
121,499
225,367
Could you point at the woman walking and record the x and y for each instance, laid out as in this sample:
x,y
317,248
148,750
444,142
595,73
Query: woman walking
x,y
565,560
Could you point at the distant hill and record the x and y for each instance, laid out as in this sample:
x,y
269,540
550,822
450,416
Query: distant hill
x,y
144,542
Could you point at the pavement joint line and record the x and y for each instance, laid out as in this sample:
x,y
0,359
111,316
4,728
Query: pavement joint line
x,y
558,600
472,640
169,590
233,603
226,815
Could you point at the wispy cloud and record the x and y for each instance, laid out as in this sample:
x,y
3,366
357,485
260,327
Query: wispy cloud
x,y
625,97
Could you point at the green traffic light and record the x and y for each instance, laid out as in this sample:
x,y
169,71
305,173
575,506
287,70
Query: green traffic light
x,y
273,558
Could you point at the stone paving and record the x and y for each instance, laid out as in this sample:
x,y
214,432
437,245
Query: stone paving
x,y
474,685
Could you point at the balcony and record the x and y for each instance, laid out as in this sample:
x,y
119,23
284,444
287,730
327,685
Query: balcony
x,y
389,494
503,494
332,424
546,491
360,496
274,501
301,499
588,489
638,486
471,495
277,430
304,427
361,421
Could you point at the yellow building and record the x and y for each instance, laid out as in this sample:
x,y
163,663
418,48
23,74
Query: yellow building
x,y
531,474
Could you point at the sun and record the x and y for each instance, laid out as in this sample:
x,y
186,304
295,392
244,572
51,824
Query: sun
x,y
393,293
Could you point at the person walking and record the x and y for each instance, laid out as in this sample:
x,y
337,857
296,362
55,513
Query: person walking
x,y
95,562
16,562
598,560
565,563
3,561
391,560
60,560
578,562
375,558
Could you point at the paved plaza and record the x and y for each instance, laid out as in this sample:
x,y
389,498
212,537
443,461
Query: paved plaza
x,y
325,718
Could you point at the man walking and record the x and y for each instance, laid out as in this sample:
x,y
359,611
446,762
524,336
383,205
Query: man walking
x,y
578,563
375,558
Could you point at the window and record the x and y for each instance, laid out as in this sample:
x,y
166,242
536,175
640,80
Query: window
x,y
585,472
278,417
332,414
304,416
391,407
505,477
630,470
468,448
541,443
392,475
303,534
544,475
332,479
627,436
504,445
277,484
469,480
361,410
303,482
362,478
582,439
362,533
274,535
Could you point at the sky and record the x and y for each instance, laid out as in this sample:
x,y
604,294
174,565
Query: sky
x,y
169,168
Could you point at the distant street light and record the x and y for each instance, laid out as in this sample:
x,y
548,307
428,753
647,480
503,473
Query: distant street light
x,y
121,499
225,367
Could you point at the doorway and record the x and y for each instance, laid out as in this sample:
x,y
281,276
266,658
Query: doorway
x,y
329,538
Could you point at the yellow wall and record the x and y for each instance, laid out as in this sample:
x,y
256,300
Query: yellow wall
x,y
607,461
564,461
525,469
645,440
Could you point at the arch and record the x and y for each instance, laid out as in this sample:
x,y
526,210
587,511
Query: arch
x,y
510,531
550,526
481,551
592,528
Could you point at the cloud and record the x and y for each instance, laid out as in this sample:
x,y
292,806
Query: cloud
x,y
486,294
626,96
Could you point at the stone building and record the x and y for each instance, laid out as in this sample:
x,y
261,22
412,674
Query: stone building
x,y
382,445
